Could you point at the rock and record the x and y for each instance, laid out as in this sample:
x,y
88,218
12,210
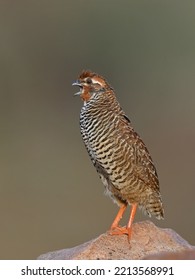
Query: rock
x,y
188,254
148,241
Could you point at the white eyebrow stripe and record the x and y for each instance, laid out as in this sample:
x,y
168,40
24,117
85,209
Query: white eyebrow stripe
x,y
96,81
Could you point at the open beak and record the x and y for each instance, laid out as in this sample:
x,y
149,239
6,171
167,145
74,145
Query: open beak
x,y
77,83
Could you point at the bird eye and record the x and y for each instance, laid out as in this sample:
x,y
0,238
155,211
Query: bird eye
x,y
88,81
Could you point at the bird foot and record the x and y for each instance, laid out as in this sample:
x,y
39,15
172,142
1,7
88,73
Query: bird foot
x,y
118,230
121,230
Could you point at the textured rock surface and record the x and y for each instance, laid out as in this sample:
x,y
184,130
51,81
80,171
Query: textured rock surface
x,y
187,254
148,242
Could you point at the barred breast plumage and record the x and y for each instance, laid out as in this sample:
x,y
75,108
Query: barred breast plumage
x,y
117,151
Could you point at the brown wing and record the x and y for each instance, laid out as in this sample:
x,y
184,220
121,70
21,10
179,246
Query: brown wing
x,y
144,168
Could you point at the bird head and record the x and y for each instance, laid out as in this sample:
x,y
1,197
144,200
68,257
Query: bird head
x,y
90,83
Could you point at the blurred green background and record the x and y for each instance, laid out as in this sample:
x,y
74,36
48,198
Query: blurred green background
x,y
50,195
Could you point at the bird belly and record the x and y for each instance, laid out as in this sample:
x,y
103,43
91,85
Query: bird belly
x,y
111,192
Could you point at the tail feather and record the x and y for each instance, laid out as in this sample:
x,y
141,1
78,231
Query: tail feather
x,y
154,206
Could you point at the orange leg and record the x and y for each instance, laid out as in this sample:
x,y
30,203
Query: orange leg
x,y
116,229
118,217
130,222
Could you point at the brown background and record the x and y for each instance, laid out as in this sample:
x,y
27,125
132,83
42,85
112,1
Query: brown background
x,y
50,194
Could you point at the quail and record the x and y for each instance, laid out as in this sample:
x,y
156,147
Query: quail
x,y
119,155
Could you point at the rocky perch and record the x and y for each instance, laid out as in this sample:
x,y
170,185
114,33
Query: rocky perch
x,y
148,242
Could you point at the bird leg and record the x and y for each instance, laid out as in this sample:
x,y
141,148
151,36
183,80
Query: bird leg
x,y
130,222
116,229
